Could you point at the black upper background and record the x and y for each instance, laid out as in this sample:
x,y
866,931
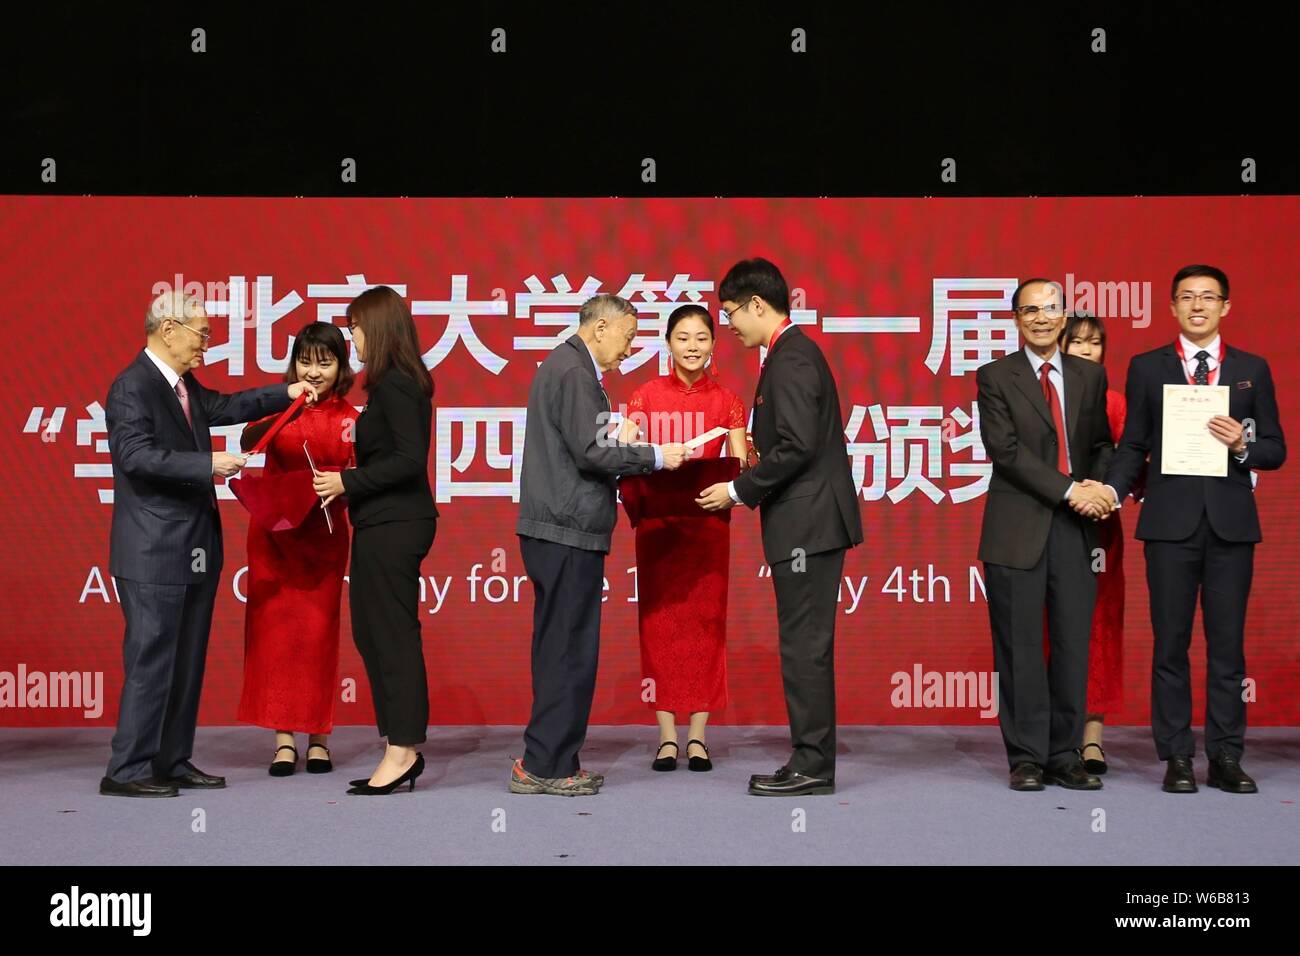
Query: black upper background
x,y
711,91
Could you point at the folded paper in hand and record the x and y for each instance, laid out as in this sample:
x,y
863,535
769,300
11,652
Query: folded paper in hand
x,y
707,437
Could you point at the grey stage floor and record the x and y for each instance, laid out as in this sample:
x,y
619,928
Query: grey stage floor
x,y
906,795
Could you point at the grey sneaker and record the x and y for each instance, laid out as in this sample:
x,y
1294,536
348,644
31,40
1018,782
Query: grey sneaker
x,y
521,781
596,778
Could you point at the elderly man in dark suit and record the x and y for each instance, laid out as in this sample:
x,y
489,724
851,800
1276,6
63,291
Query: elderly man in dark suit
x,y
1043,423
1200,531
808,508
165,547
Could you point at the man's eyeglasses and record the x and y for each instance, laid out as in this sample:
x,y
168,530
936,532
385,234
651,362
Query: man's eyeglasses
x,y
1031,311
739,308
1188,298
203,336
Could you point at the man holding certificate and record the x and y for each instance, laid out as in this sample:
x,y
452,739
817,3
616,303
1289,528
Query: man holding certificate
x,y
1189,403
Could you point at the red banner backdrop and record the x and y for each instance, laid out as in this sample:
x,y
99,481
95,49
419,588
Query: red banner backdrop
x,y
906,297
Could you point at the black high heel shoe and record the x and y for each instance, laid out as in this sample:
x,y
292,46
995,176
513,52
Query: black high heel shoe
x,y
698,764
1097,767
365,790
283,768
665,763
316,764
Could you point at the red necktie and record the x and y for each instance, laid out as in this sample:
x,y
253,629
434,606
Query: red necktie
x,y
184,396
1049,393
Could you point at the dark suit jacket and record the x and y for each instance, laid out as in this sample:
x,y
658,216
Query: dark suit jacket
x,y
1020,438
391,480
1174,503
803,483
164,500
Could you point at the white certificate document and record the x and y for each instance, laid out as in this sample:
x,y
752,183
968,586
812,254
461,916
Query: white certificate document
x,y
1189,446
707,437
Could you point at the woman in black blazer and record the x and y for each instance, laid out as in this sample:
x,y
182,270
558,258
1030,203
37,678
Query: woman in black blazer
x,y
394,521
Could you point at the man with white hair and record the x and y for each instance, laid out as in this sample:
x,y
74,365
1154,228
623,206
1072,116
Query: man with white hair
x,y
165,546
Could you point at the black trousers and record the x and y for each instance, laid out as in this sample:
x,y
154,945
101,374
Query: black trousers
x,y
164,652
807,603
567,588
384,591
1041,704
1221,571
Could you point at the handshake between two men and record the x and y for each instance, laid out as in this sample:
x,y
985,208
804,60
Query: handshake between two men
x,y
1092,499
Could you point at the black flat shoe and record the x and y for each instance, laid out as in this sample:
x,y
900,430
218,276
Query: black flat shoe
x,y
365,790
283,768
316,764
698,764
1178,776
1026,777
1226,775
1097,767
665,763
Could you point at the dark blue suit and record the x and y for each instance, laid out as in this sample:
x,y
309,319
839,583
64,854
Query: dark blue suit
x,y
166,554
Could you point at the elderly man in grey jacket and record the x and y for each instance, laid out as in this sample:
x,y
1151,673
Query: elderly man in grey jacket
x,y
566,516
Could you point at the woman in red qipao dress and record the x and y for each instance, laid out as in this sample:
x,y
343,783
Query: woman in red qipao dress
x,y
682,563
295,577
1085,336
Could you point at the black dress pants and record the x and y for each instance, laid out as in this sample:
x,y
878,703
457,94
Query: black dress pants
x,y
1041,705
1221,572
384,592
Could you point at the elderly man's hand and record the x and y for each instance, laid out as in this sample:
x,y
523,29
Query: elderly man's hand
x,y
674,454
1092,499
297,388
226,464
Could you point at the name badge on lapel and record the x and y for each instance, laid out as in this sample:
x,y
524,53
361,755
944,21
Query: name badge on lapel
x,y
1245,384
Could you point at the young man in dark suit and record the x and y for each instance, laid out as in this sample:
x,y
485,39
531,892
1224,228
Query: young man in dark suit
x,y
808,505
1200,531
1043,423
165,550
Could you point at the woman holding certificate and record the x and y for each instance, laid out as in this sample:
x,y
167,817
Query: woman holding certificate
x,y
295,575
682,562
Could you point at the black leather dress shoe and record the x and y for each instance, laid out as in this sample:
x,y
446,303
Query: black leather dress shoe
x,y
1178,776
1072,777
786,783
1026,776
1227,775
148,787
196,779
757,778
